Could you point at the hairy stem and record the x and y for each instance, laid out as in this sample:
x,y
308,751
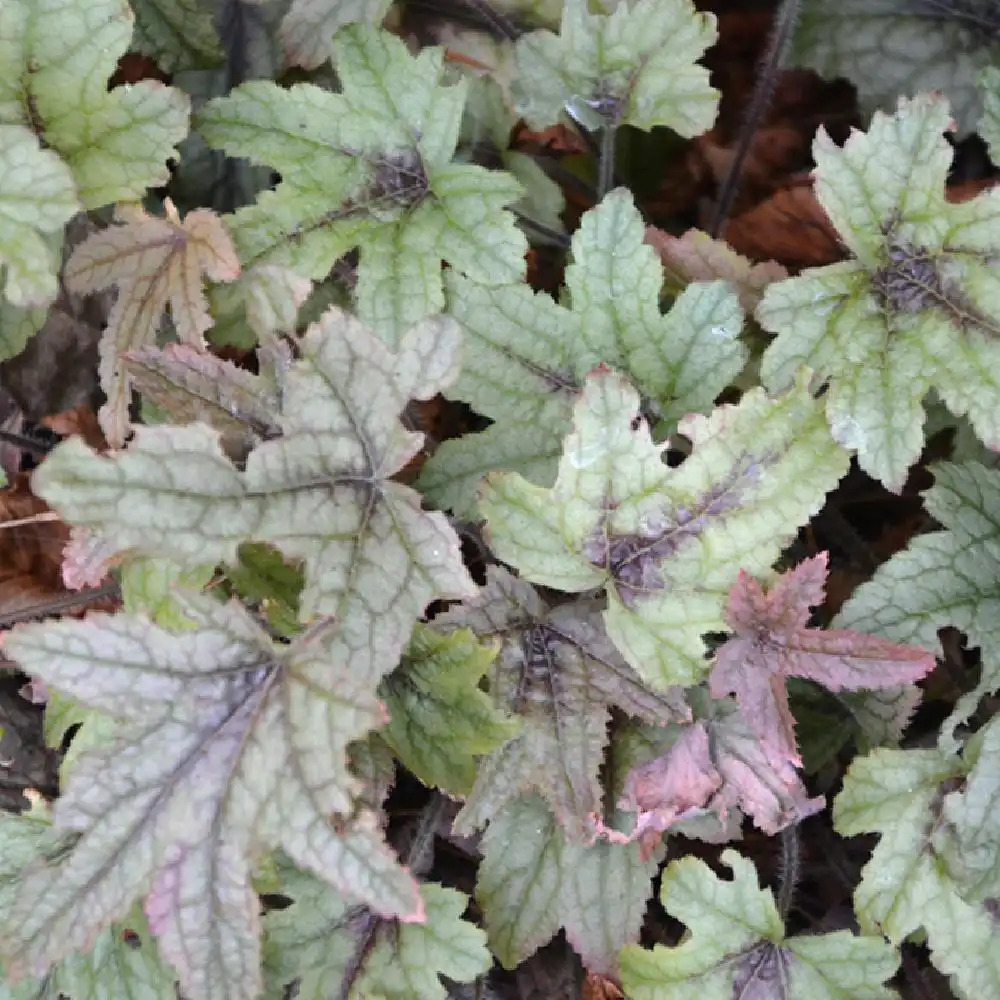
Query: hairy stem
x,y
789,872
606,161
777,43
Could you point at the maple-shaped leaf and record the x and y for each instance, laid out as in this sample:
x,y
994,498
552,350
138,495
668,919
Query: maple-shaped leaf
x,y
526,356
773,642
943,578
892,47
666,544
989,124
153,262
37,198
54,69
318,939
737,946
534,879
123,964
321,492
439,720
370,168
559,675
907,886
715,767
228,742
913,309
635,66
308,27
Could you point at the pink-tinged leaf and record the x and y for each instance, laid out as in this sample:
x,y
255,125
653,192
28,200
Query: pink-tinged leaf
x,y
773,641
716,766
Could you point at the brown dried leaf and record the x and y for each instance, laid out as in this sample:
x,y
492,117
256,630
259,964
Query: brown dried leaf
x,y
154,263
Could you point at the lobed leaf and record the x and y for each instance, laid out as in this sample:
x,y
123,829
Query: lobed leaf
x,y
153,262
55,60
527,356
666,544
320,493
439,720
737,940
370,168
178,34
317,940
913,310
559,675
635,66
227,741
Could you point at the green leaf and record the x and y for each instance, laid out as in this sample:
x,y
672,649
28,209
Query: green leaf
x,y
737,939
526,356
370,168
317,939
913,309
560,676
178,34
906,884
533,880
55,60
989,124
439,720
943,578
667,544
969,839
636,66
320,493
230,741
37,198
892,47
262,577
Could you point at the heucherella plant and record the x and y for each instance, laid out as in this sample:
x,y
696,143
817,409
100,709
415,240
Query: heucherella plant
x,y
472,581
916,306
370,168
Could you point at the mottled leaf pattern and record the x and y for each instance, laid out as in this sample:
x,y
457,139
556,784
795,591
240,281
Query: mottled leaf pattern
x,y
666,544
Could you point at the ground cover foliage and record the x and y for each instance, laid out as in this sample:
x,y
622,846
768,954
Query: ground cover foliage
x,y
502,499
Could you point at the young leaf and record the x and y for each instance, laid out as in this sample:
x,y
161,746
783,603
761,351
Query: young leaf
x,y
636,66
715,767
229,741
534,880
560,675
439,720
943,578
737,946
906,884
37,198
321,492
526,357
370,168
892,47
913,309
54,69
773,642
666,543
317,941
123,964
153,262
